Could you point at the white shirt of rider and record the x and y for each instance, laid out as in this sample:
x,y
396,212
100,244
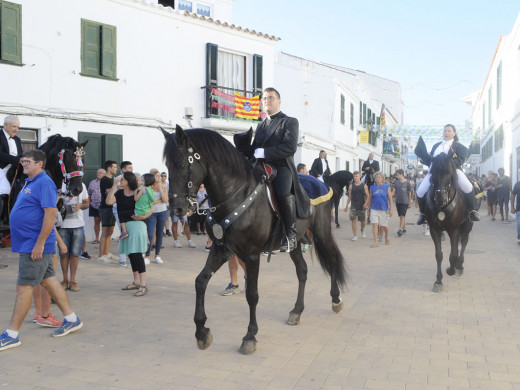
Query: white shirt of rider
x,y
444,147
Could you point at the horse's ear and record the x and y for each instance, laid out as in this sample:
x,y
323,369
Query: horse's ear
x,y
179,134
84,143
165,133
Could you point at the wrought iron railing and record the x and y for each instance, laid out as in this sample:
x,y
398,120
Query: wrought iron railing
x,y
222,102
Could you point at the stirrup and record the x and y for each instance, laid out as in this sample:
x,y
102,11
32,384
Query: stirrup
x,y
473,215
288,244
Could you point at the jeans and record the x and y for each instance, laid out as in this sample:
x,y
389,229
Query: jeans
x,y
518,224
156,222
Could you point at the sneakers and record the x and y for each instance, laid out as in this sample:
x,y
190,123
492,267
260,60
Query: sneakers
x,y
158,260
73,286
191,244
85,256
380,238
124,235
399,233
353,238
7,341
121,264
230,290
49,322
207,248
67,327
403,232
177,244
168,233
146,260
104,259
362,234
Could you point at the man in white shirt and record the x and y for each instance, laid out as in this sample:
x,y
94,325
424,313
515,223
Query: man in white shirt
x,y
10,152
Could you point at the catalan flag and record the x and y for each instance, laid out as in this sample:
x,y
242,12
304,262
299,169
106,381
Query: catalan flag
x,y
248,108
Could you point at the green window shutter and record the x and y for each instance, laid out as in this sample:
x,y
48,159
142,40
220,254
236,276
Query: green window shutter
x,y
90,48
351,116
11,32
108,51
342,117
257,73
113,147
93,155
211,64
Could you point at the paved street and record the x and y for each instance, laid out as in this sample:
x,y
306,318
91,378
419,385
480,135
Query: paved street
x,y
393,333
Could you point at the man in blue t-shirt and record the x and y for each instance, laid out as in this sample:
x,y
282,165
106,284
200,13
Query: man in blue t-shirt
x,y
34,238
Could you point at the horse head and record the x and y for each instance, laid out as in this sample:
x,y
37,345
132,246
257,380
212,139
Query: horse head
x,y
443,180
186,170
65,162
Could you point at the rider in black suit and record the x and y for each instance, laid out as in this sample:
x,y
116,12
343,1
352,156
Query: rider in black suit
x,y
9,156
370,166
317,167
276,141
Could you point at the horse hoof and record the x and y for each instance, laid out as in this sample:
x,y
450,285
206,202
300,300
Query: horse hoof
x,y
437,287
294,319
459,272
248,347
336,307
204,344
450,271
338,226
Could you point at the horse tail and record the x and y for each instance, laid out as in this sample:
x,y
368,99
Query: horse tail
x,y
330,257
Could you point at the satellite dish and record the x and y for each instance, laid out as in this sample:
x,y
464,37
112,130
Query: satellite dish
x,y
410,166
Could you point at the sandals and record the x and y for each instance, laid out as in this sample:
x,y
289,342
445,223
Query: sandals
x,y
124,235
132,286
143,290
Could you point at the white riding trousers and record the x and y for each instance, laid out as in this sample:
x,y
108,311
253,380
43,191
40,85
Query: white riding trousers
x,y
464,184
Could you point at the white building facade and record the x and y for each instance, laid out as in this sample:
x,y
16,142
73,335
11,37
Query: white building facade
x,y
496,109
113,71
336,108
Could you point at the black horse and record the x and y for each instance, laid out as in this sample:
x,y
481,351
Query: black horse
x,y
64,164
337,181
241,222
445,211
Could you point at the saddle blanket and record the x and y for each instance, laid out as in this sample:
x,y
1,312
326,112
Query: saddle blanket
x,y
317,191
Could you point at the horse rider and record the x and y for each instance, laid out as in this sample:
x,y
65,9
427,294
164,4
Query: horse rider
x,y
276,141
10,152
449,143
320,167
370,166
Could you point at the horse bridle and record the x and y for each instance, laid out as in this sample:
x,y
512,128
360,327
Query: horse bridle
x,y
79,153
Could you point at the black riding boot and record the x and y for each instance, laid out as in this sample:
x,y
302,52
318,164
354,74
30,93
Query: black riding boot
x,y
469,199
422,217
288,209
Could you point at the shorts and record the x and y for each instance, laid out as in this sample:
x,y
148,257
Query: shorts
x,y
31,273
92,212
73,240
502,198
359,214
379,216
176,219
402,208
107,217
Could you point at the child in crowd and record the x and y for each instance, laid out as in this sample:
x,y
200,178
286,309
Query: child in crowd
x,y
144,198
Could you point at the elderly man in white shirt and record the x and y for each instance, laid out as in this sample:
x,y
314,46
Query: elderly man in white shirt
x,y
10,152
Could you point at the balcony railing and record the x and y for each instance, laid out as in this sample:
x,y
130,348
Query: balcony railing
x,y
223,102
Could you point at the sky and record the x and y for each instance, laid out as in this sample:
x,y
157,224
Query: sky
x,y
439,51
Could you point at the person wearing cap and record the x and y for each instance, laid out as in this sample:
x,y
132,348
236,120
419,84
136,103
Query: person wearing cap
x,y
320,167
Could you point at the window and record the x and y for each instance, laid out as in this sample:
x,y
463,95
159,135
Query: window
x,y
10,32
204,10
487,150
351,116
167,3
499,85
490,104
364,115
499,138
98,50
185,5
231,70
484,116
342,107
360,113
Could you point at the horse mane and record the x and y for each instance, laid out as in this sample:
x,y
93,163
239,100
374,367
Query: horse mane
x,y
55,143
443,165
213,148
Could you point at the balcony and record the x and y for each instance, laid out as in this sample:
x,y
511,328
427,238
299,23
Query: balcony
x,y
231,109
391,150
